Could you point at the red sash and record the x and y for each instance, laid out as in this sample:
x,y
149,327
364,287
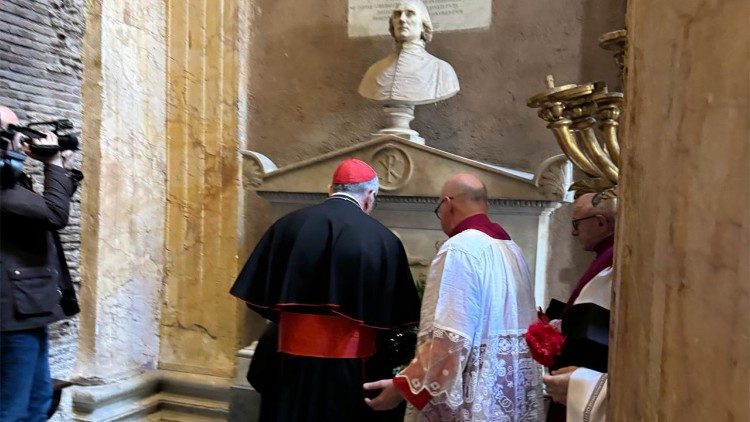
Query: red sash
x,y
324,336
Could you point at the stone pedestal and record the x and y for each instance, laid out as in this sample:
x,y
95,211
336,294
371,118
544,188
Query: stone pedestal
x,y
398,118
244,400
155,395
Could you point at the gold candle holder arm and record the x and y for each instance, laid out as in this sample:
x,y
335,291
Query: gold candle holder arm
x,y
609,133
591,146
608,112
567,142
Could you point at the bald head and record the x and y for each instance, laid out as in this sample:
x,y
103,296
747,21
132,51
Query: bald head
x,y
463,195
7,117
467,188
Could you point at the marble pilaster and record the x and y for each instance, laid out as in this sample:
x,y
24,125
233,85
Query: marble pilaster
x,y
160,229
682,337
124,194
200,321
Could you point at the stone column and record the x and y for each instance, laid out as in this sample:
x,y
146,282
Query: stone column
x,y
123,206
123,198
682,338
159,331
200,324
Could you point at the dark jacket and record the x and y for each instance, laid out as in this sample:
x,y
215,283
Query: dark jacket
x,y
32,270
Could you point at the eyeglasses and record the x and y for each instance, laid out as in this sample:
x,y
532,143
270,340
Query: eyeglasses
x,y
437,209
578,220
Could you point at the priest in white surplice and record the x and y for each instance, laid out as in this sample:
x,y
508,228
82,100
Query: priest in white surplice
x,y
472,363
583,390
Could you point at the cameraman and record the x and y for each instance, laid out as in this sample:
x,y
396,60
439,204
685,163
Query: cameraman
x,y
35,285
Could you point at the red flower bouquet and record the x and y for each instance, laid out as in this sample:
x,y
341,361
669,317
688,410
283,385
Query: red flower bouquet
x,y
545,341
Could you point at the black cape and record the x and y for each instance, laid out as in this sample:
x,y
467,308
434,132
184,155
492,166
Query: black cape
x,y
328,258
586,330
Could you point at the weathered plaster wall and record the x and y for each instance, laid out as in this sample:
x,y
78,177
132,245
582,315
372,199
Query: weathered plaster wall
x,y
682,350
305,73
124,92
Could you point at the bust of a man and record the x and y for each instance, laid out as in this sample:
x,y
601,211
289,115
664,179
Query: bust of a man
x,y
410,75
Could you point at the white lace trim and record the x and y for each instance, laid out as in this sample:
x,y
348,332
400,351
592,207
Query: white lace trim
x,y
499,381
518,332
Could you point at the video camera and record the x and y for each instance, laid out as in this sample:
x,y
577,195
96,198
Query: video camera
x,y
66,141
12,162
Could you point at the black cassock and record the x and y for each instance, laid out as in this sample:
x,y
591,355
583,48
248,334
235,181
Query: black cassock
x,y
330,259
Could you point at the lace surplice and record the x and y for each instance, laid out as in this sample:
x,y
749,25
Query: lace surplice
x,y
471,356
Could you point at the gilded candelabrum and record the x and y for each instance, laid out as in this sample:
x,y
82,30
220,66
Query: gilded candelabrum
x,y
616,41
584,119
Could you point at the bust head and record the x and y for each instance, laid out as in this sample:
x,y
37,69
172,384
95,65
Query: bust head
x,y
426,78
410,21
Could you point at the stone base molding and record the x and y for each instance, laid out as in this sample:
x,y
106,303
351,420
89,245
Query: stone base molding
x,y
155,396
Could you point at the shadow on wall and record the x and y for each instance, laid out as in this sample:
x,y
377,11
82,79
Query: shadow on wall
x,y
600,17
304,104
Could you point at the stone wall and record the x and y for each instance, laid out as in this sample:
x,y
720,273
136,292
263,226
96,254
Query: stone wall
x,y
40,78
304,74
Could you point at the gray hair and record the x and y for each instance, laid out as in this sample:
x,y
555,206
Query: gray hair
x,y
358,190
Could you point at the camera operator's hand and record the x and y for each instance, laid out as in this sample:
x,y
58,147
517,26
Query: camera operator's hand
x,y
55,158
67,159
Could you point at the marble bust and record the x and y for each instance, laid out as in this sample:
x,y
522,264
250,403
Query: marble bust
x,y
410,75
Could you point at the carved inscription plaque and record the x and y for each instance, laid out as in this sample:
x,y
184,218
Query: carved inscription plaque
x,y
370,17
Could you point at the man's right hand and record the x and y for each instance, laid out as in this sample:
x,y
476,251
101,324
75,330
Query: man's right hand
x,y
556,324
51,139
388,398
557,383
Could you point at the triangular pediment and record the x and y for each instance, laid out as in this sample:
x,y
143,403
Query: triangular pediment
x,y
406,168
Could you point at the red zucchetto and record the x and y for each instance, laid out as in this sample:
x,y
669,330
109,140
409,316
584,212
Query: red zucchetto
x,y
353,171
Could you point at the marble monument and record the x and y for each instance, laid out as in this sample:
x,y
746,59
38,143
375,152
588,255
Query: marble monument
x,y
410,75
